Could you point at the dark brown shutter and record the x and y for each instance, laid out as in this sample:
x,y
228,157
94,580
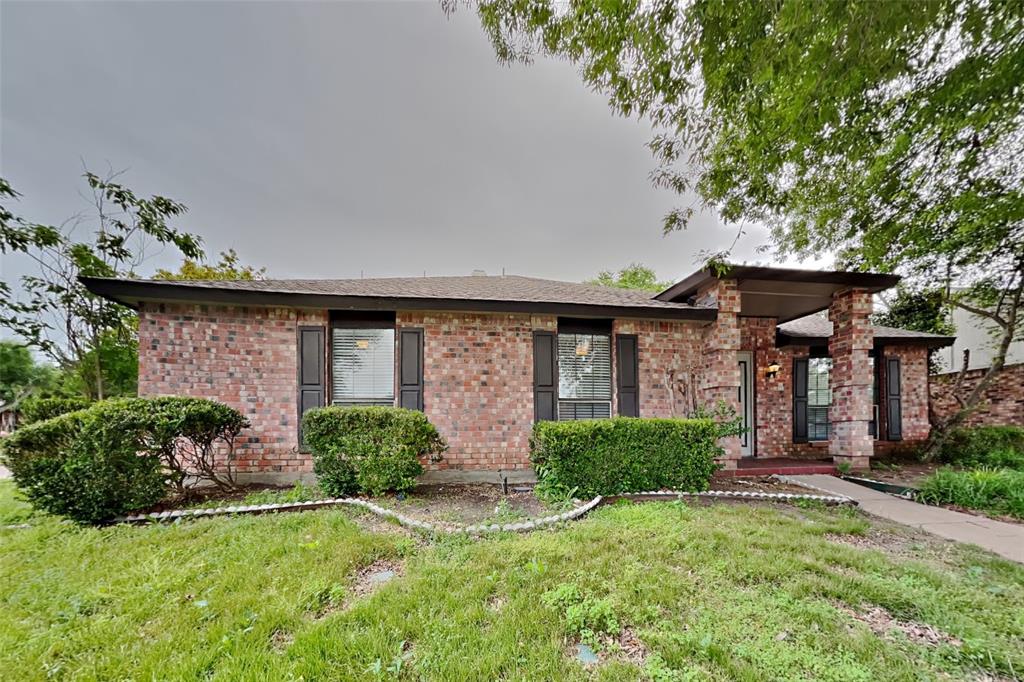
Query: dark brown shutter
x,y
799,400
545,376
893,400
312,375
410,369
627,375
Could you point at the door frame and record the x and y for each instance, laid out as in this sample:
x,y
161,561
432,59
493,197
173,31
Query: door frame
x,y
746,396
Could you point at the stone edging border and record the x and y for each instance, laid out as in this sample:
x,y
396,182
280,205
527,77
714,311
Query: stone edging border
x,y
425,526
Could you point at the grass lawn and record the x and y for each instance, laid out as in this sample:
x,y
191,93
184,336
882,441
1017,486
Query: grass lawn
x,y
692,592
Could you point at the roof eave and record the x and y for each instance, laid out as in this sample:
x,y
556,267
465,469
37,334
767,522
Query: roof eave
x,y
783,339
133,293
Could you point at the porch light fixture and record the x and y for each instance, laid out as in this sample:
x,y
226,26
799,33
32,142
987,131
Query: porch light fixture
x,y
772,370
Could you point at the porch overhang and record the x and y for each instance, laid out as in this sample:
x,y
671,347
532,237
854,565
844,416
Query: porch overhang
x,y
783,293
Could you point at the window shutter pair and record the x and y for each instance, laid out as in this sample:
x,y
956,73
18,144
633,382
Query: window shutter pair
x,y
545,375
313,373
893,400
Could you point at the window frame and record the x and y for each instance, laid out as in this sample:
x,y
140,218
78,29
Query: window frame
x,y
593,331
811,405
384,322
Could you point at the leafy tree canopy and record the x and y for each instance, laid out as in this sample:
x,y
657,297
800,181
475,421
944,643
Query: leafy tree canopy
x,y
56,313
228,267
890,134
922,310
633,276
21,375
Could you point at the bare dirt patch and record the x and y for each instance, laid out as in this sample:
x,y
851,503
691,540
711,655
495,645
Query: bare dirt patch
x,y
466,504
281,640
759,484
882,623
369,578
625,647
898,472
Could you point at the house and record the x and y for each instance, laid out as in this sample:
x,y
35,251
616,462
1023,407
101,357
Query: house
x,y
486,357
1002,400
8,418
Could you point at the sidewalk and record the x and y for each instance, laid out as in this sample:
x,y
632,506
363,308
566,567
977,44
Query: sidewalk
x,y
1004,539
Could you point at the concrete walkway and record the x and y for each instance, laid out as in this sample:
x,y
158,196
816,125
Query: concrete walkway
x,y
1004,539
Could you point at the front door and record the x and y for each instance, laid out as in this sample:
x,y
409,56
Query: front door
x,y
746,398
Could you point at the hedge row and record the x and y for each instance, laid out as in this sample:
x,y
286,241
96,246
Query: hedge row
x,y
34,409
623,454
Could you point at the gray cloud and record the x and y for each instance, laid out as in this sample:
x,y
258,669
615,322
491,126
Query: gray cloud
x,y
330,139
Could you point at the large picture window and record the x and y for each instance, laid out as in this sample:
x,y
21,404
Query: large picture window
x,y
819,398
584,376
362,366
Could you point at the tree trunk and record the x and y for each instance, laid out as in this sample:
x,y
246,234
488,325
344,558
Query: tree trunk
x,y
941,431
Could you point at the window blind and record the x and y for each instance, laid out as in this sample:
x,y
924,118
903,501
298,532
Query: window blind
x,y
819,398
363,366
584,376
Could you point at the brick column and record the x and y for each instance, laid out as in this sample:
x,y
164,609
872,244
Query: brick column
x,y
720,372
851,380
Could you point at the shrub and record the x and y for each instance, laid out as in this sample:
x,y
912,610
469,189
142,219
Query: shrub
x,y
34,409
368,449
985,446
120,455
190,435
623,454
995,490
83,465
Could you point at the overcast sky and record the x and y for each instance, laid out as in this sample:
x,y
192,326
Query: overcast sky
x,y
333,139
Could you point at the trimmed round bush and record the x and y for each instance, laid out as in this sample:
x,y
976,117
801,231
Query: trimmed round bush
x,y
122,455
368,449
34,409
84,465
623,455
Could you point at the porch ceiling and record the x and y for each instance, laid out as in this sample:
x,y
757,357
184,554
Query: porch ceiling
x,y
783,293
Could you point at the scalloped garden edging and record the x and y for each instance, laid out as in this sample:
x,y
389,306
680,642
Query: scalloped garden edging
x,y
477,529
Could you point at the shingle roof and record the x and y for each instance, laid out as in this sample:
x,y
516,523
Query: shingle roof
x,y
481,289
817,327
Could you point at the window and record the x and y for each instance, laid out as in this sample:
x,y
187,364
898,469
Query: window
x,y
584,376
362,366
819,398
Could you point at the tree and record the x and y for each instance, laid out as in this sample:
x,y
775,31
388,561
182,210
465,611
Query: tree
x,y
888,133
923,310
21,375
58,315
633,276
229,267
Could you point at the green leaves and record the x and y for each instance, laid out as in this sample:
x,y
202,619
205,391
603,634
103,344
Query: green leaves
x,y
369,449
610,456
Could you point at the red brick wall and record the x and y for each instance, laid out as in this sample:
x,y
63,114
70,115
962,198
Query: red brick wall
x,y
478,385
243,357
1002,403
669,359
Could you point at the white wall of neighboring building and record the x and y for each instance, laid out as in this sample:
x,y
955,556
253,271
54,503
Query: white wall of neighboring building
x,y
977,334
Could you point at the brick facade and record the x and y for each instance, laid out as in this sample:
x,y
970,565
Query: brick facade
x,y
720,373
1002,403
243,357
670,364
478,377
478,385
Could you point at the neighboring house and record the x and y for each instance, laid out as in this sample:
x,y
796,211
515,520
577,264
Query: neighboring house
x,y
8,418
978,335
486,357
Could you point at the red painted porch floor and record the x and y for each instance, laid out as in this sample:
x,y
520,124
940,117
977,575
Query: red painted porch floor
x,y
766,466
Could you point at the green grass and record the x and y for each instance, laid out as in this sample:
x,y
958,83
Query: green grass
x,y
717,593
998,491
